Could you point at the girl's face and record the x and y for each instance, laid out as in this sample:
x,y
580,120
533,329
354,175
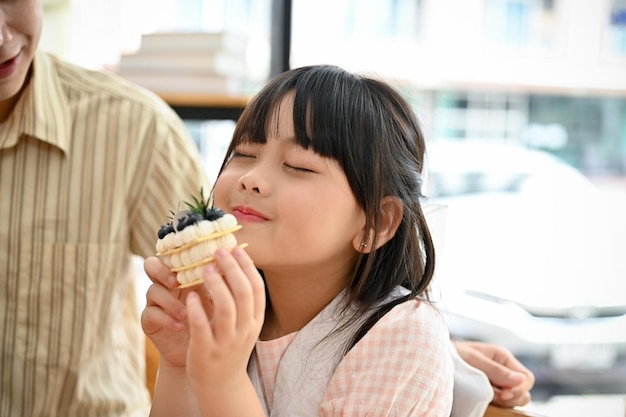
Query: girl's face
x,y
296,207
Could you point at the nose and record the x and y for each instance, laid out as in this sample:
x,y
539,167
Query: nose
x,y
254,181
5,31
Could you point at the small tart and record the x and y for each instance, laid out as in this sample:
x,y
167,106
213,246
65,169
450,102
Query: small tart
x,y
187,251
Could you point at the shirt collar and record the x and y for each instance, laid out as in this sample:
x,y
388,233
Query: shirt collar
x,y
42,112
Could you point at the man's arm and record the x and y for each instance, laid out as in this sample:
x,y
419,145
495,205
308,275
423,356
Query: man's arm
x,y
511,381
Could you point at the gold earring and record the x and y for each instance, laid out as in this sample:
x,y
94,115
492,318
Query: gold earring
x,y
363,244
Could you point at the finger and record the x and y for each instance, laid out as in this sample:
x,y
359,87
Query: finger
x,y
199,328
503,377
497,363
239,286
158,272
510,379
166,300
510,398
224,319
519,376
256,282
154,319
494,371
206,298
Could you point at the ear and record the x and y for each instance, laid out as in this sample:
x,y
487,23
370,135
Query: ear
x,y
391,211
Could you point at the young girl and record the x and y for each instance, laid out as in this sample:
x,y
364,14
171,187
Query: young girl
x,y
326,311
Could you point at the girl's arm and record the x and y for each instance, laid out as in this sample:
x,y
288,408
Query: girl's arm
x,y
163,321
220,344
235,398
173,395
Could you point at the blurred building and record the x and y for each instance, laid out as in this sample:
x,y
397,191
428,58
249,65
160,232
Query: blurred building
x,y
549,74
546,46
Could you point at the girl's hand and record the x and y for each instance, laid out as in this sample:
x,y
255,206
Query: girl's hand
x,y
164,318
221,343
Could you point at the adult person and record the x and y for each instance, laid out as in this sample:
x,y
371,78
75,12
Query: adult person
x,y
89,165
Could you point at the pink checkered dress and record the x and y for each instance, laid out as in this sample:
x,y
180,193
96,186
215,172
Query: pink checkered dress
x,y
402,367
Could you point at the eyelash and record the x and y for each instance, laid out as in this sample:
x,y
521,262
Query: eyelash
x,y
290,167
241,155
297,169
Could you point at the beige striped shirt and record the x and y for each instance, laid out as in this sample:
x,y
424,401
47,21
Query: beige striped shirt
x,y
90,167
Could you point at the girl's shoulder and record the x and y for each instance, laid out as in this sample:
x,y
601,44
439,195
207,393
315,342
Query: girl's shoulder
x,y
408,349
413,322
414,310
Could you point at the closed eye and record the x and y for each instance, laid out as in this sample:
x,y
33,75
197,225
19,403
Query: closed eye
x,y
298,169
241,155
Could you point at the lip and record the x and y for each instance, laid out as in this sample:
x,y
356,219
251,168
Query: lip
x,y
248,215
8,67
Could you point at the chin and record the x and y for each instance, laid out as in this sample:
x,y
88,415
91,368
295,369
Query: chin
x,y
12,87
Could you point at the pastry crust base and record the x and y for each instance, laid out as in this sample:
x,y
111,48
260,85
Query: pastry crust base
x,y
204,261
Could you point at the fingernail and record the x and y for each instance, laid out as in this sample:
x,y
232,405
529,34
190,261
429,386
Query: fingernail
x,y
191,296
171,280
236,250
177,325
220,253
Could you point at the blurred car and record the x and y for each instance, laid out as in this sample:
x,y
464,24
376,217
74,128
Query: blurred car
x,y
532,257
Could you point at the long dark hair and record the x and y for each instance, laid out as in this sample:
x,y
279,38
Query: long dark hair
x,y
366,125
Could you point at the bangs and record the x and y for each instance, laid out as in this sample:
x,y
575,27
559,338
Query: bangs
x,y
324,108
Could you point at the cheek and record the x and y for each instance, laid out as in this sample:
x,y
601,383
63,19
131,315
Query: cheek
x,y
328,212
30,18
225,185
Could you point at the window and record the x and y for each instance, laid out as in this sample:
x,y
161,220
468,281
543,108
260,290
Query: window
x,y
528,24
616,39
498,117
353,33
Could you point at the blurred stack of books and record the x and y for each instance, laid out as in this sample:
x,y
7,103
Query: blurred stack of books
x,y
188,62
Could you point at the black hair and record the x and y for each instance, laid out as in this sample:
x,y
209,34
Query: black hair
x,y
371,130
